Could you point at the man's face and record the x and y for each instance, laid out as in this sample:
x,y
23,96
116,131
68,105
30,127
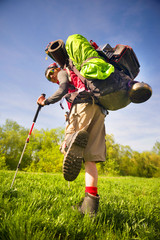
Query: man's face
x,y
52,78
53,75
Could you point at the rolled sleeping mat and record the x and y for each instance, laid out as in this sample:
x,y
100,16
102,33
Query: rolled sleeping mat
x,y
58,52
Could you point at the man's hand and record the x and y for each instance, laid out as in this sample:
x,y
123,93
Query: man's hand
x,y
41,100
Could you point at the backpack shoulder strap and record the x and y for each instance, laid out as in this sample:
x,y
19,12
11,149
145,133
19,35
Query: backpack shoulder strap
x,y
69,75
74,69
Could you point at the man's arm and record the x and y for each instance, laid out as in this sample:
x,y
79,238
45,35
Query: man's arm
x,y
63,89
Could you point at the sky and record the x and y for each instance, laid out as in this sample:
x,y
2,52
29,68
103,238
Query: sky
x,y
26,28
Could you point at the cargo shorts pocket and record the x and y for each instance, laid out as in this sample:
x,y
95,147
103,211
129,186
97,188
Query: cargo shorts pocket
x,y
72,125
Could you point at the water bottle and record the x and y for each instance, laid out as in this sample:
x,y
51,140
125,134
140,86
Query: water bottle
x,y
94,45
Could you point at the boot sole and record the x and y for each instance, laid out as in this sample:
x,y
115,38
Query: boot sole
x,y
74,156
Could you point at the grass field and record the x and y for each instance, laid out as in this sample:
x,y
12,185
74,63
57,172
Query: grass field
x,y
40,208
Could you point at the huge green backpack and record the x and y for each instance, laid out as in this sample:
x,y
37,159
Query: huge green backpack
x,y
107,82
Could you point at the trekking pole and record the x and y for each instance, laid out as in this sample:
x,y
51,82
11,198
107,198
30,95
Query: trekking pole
x,y
27,140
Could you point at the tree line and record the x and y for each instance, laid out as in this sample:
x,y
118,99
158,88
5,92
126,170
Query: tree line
x,y
43,155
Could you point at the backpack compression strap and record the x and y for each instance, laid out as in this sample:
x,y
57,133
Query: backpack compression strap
x,y
74,69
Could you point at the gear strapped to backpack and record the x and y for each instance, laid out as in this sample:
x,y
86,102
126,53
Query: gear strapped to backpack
x,y
122,57
113,68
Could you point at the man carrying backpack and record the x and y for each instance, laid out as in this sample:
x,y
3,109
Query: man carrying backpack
x,y
84,134
85,131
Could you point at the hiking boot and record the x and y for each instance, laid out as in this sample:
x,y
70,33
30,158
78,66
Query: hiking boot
x,y
66,143
140,92
74,156
63,147
90,204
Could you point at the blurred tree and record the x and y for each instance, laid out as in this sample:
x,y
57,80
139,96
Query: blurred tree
x,y
47,157
42,153
156,148
12,139
126,163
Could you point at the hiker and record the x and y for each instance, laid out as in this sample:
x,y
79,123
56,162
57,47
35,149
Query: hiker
x,y
84,134
85,130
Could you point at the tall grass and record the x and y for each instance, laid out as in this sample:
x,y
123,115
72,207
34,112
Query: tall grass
x,y
40,208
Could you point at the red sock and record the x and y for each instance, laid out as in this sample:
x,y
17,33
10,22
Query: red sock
x,y
91,190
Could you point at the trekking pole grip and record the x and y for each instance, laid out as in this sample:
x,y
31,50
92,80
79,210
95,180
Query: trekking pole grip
x,y
38,109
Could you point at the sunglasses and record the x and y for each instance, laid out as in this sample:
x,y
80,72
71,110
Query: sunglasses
x,y
50,73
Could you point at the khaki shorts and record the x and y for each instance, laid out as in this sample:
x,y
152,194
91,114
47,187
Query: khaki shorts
x,y
89,117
